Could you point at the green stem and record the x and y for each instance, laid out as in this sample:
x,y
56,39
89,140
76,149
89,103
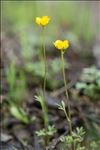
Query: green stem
x,y
46,122
68,103
67,97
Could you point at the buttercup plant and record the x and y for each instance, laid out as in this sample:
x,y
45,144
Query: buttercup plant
x,y
73,141
62,45
43,21
48,131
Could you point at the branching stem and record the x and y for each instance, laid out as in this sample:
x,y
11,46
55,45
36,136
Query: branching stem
x,y
67,97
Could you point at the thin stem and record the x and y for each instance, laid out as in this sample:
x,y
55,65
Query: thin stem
x,y
44,56
67,97
68,103
44,83
66,114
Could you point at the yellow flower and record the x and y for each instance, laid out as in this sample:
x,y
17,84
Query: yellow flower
x,y
61,45
42,21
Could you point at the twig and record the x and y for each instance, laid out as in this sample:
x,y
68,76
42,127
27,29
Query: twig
x,y
83,117
55,142
62,89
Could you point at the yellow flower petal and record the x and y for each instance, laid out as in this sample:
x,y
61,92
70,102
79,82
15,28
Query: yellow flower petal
x,y
58,44
38,20
43,21
61,45
65,44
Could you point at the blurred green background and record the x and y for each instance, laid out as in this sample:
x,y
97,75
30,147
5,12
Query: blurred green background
x,y
67,16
